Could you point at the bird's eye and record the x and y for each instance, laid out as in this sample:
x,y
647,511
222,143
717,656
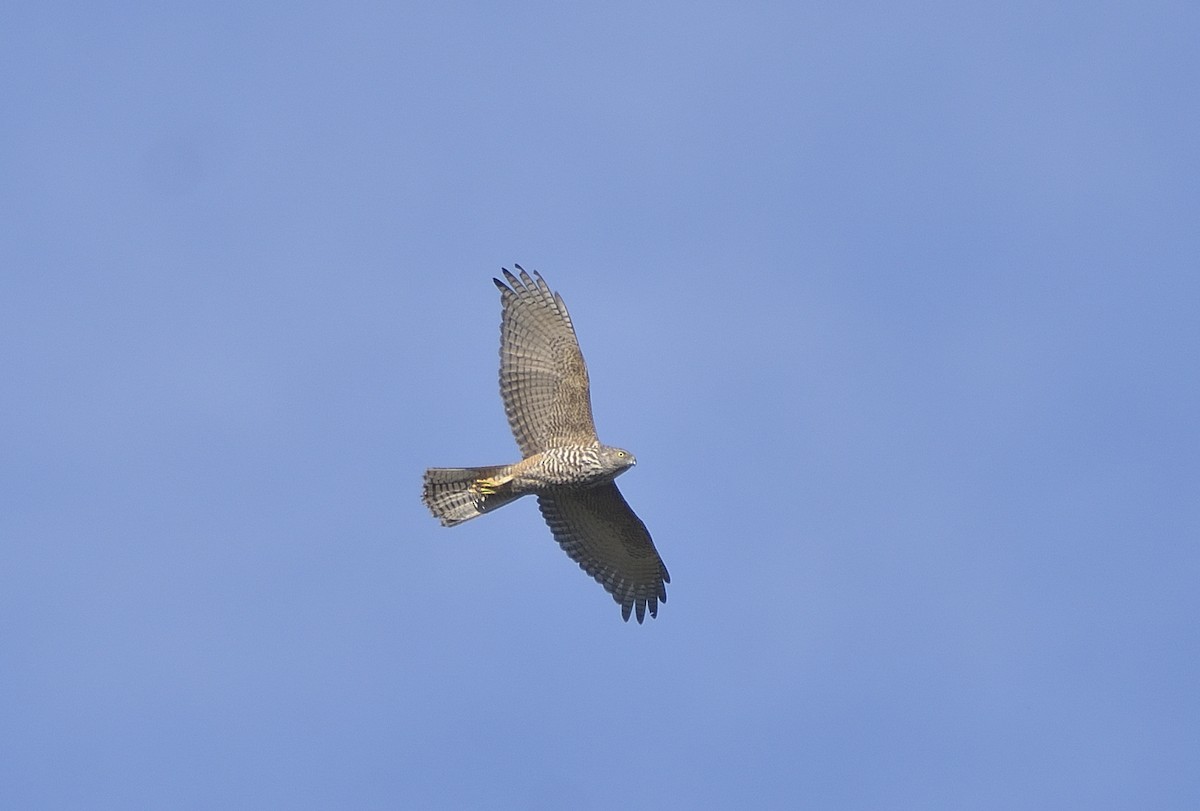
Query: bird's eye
x,y
621,454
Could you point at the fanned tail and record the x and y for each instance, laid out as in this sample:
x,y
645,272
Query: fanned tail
x,y
457,494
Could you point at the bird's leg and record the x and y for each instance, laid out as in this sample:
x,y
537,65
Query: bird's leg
x,y
490,485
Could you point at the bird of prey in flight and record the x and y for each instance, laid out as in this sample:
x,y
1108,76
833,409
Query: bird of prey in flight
x,y
544,385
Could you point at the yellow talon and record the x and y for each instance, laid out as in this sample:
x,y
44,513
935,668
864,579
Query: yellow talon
x,y
489,486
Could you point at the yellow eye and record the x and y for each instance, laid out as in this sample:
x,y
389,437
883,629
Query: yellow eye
x,y
621,454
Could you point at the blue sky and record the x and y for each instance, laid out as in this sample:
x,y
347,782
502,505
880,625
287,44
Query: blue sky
x,y
896,304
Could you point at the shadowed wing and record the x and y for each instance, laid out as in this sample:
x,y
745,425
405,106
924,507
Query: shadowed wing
x,y
543,379
596,527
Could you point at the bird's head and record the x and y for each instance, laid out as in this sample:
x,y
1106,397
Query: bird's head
x,y
617,459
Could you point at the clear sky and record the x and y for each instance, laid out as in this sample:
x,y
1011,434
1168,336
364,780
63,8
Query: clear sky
x,y
897,304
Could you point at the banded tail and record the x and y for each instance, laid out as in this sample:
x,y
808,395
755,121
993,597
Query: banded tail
x,y
457,494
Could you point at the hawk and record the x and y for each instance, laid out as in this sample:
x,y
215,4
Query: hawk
x,y
544,385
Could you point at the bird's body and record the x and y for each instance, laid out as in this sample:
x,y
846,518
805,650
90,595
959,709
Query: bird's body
x,y
545,388
567,466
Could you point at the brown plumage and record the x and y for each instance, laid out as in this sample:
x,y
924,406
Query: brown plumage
x,y
544,386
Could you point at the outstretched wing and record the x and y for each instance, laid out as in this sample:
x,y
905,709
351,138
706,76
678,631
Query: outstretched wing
x,y
543,379
596,527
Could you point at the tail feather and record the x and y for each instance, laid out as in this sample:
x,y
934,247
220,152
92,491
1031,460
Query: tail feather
x,y
454,495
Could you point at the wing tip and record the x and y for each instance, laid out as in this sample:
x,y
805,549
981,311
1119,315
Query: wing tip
x,y
522,284
638,607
